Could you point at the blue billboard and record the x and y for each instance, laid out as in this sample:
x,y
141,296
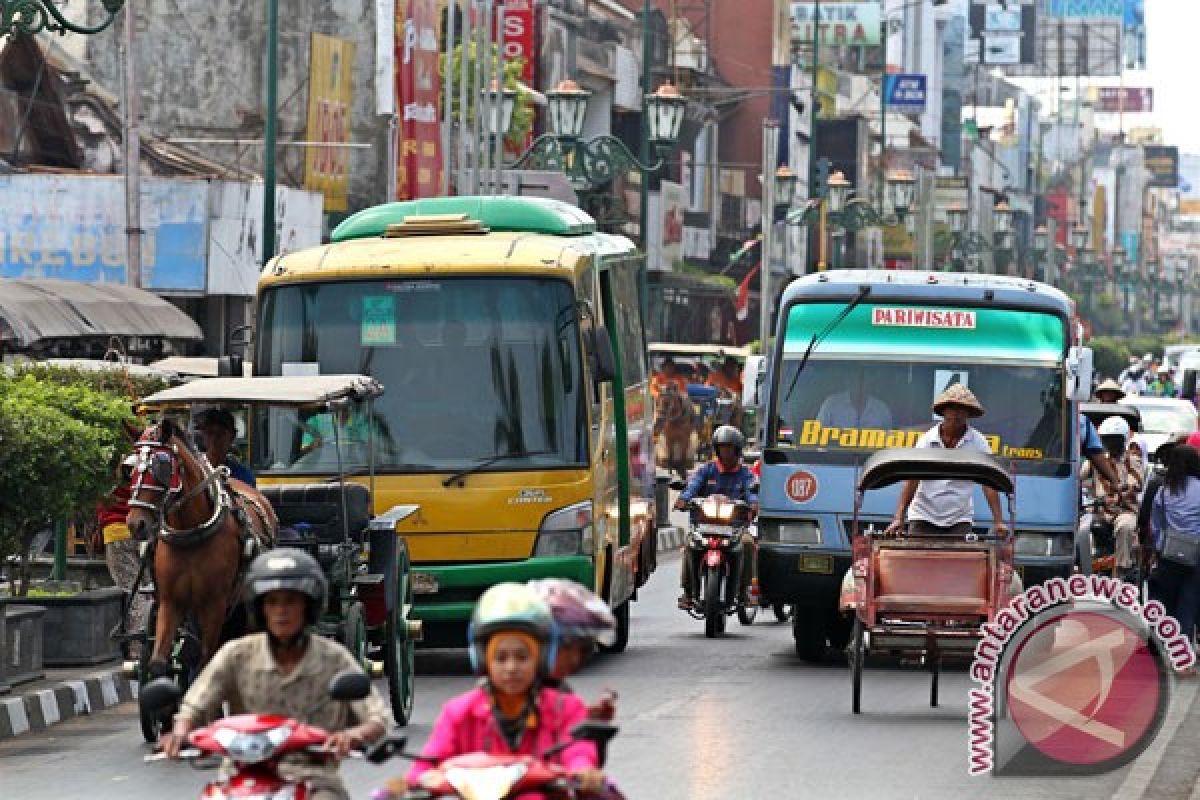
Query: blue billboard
x,y
905,93
72,227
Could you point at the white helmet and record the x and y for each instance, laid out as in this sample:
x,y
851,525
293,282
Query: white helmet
x,y
1114,426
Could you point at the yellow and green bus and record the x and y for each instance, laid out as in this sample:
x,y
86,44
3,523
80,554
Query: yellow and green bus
x,y
508,336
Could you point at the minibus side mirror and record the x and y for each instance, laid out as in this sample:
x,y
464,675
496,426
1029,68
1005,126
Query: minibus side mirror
x,y
603,361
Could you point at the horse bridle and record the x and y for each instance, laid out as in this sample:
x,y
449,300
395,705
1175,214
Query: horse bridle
x,y
172,497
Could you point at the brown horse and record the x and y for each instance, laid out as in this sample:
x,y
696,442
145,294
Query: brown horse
x,y
674,429
200,518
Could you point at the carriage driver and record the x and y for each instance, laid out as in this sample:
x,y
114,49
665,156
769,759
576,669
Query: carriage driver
x,y
285,670
725,475
945,507
217,429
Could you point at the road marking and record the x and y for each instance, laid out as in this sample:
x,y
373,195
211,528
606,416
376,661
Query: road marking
x,y
49,703
1144,766
82,704
16,715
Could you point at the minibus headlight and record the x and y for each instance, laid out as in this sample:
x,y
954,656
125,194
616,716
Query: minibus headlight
x,y
566,532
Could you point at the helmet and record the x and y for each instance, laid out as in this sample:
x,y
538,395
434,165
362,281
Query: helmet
x,y
727,434
579,613
290,569
510,607
1114,426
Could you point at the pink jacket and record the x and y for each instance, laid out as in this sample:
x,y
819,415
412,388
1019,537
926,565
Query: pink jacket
x,y
467,725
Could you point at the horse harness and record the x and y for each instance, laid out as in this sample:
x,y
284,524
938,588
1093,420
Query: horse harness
x,y
215,482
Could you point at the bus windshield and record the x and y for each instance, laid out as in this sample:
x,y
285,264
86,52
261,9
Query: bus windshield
x,y
474,369
872,380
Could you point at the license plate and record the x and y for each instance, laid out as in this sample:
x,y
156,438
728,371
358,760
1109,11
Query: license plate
x,y
819,565
423,583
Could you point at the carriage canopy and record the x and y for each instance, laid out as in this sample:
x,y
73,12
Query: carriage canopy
x,y
887,467
294,391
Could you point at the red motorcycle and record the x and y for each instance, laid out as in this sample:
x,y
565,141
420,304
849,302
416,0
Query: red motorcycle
x,y
256,743
483,776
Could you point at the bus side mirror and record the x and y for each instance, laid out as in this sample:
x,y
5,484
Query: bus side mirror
x,y
1188,388
1079,373
601,359
754,375
229,366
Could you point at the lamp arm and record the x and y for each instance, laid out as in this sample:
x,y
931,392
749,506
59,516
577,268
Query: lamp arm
x,y
588,164
33,16
544,153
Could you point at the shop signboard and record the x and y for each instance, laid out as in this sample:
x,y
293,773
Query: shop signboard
x,y
1163,165
854,24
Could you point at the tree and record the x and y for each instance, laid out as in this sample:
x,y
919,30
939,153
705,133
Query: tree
x,y
522,121
60,447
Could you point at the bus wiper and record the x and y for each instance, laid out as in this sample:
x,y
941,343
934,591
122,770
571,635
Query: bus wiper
x,y
460,476
820,335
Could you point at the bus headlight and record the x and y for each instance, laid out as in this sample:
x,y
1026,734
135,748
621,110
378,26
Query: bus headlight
x,y
1031,543
790,531
566,532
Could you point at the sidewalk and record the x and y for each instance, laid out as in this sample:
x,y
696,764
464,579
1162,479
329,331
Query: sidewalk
x,y
61,695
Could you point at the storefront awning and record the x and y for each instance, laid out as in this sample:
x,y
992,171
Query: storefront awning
x,y
33,311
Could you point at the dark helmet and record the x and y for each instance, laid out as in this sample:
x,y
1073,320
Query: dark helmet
x,y
511,607
727,434
287,568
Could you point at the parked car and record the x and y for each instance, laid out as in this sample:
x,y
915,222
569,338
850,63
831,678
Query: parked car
x,y
1162,416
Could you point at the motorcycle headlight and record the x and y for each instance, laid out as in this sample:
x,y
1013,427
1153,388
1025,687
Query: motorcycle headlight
x,y
792,531
495,781
1043,544
566,532
251,748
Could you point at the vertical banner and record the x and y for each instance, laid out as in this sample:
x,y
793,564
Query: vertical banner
x,y
520,42
419,158
385,57
330,96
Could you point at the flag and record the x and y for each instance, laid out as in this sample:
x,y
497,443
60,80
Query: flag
x,y
742,304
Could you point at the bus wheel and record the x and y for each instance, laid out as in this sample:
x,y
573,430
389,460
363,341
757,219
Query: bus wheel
x,y
809,633
621,612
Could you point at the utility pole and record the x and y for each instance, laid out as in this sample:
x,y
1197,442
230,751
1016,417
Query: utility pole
x,y
644,157
133,159
269,135
812,126
770,143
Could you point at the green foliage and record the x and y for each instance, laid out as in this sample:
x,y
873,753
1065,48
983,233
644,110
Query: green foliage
x,y
522,121
1109,356
60,444
114,382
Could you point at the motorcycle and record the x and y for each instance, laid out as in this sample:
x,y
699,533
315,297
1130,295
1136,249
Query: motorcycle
x,y
714,541
485,776
1096,547
256,743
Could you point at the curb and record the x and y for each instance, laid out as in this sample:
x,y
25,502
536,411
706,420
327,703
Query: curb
x,y
670,538
39,709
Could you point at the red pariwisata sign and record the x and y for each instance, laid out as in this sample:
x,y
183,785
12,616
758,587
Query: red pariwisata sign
x,y
418,89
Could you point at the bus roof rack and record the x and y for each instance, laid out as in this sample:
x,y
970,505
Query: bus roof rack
x,y
512,214
433,225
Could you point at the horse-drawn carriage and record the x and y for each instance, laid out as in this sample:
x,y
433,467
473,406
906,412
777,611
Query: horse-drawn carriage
x,y
701,393
203,528
928,596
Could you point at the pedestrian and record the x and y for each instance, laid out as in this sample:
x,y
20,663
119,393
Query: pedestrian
x,y
123,557
1175,522
1163,384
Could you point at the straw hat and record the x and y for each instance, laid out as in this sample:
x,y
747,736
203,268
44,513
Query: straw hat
x,y
958,395
1111,386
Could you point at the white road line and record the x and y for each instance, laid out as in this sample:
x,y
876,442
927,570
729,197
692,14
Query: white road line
x,y
1145,765
17,718
49,702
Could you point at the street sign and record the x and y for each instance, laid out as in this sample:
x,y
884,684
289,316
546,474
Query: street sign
x,y
905,93
1130,100
1163,165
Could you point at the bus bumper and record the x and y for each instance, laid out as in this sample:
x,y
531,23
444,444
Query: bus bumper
x,y
447,594
800,575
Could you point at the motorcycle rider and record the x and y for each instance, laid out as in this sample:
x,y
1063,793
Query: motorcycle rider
x,y
1109,392
1120,500
285,671
724,475
582,621
511,711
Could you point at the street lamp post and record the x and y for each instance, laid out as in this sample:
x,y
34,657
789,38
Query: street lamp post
x,y
849,214
596,162
1042,266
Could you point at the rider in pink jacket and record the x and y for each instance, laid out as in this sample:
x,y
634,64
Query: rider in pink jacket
x,y
468,724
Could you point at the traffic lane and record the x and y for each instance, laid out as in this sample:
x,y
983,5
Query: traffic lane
x,y
739,716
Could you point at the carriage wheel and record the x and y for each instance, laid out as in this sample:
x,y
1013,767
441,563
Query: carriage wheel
x,y
857,655
399,650
713,615
353,633
152,724
935,666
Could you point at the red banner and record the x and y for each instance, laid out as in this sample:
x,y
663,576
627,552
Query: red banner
x,y
1058,204
418,89
520,42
